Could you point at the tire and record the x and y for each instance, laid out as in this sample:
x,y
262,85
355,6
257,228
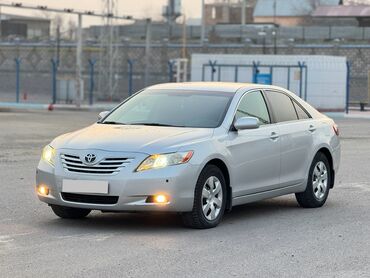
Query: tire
x,y
70,213
212,180
317,189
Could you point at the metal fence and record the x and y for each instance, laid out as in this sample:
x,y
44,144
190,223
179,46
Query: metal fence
x,y
259,73
28,72
235,32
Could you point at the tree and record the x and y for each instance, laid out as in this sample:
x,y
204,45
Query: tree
x,y
57,23
72,29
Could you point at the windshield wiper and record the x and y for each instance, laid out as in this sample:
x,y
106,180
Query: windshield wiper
x,y
156,124
111,123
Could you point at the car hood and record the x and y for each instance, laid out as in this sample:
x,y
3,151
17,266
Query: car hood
x,y
131,138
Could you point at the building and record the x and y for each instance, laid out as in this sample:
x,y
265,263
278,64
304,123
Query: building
x,y
228,12
24,27
288,12
358,13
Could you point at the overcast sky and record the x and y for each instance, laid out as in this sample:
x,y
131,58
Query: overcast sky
x,y
136,8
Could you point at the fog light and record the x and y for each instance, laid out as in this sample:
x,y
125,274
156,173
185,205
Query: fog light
x,y
160,199
43,190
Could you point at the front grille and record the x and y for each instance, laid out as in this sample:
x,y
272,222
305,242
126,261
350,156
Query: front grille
x,y
90,199
107,166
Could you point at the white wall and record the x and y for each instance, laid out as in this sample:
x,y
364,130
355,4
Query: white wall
x,y
326,76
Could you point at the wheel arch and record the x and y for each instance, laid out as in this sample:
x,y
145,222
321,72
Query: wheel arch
x,y
225,171
329,156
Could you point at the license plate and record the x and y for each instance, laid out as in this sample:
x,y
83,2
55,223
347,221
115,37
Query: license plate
x,y
85,186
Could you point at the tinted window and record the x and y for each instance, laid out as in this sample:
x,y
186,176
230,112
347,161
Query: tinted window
x,y
301,113
282,107
173,108
253,105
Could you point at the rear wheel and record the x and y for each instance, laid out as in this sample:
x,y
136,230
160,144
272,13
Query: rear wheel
x,y
318,183
209,200
70,213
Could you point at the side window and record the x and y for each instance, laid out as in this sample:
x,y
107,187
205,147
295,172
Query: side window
x,y
302,115
282,107
253,105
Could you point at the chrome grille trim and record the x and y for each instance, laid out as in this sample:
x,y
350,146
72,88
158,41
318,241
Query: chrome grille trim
x,y
107,166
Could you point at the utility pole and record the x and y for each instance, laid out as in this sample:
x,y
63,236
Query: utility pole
x,y
184,36
147,50
274,33
243,15
111,51
58,42
79,77
203,24
1,21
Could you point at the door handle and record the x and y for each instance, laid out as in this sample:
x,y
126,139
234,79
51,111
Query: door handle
x,y
311,128
274,136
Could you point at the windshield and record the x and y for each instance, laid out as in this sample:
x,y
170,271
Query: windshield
x,y
173,108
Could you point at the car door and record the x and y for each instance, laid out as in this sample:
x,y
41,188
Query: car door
x,y
254,153
296,130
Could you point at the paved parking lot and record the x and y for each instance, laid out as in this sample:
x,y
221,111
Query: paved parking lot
x,y
273,238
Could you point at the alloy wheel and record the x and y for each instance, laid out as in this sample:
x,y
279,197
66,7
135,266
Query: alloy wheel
x,y
320,180
212,198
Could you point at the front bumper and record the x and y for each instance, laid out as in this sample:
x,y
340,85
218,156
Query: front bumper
x,y
132,188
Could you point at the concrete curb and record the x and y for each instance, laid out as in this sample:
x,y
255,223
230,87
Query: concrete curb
x,y
358,116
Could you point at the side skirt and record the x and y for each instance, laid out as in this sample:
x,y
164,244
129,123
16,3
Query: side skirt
x,y
250,198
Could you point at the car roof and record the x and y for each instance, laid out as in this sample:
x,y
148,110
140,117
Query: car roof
x,y
228,87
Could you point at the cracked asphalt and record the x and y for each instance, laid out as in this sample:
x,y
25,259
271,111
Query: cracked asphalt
x,y
272,238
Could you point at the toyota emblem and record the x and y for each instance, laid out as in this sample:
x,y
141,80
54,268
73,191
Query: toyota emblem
x,y
90,158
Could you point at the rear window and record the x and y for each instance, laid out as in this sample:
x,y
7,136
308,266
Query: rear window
x,y
282,107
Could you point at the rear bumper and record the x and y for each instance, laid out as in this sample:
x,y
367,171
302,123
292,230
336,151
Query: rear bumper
x,y
336,155
336,158
131,188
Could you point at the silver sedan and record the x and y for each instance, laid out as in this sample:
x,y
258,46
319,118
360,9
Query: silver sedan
x,y
196,149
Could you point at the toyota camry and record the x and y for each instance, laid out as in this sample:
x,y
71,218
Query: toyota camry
x,y
196,149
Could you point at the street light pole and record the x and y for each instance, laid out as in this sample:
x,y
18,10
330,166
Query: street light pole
x,y
243,15
263,34
147,50
184,37
203,24
274,33
79,77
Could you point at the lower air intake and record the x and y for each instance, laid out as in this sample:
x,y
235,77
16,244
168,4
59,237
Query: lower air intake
x,y
90,199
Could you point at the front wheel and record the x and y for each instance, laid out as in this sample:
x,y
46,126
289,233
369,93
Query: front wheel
x,y
70,213
318,183
209,200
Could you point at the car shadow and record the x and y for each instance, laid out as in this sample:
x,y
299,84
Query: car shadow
x,y
113,222
167,222
265,208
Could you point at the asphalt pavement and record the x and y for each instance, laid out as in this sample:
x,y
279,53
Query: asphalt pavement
x,y
272,238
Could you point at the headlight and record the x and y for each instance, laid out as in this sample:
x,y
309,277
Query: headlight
x,y
48,154
157,161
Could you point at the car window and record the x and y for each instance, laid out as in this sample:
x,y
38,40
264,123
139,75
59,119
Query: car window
x,y
282,107
253,105
302,115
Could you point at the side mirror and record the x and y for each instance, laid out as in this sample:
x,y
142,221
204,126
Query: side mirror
x,y
102,115
246,123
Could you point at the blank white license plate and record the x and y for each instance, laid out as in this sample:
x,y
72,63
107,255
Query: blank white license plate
x,y
85,186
